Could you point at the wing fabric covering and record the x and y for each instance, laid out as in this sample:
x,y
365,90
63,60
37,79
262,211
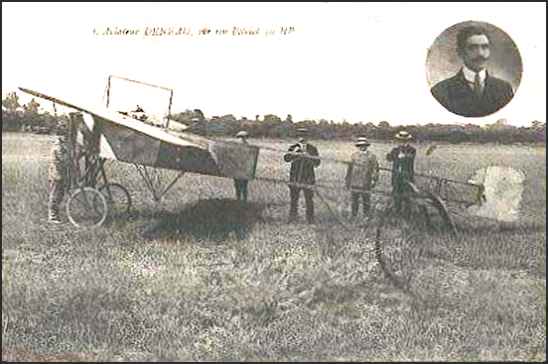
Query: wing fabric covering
x,y
155,147
234,160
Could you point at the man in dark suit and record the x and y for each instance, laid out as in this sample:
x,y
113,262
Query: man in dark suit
x,y
302,172
403,170
241,184
473,92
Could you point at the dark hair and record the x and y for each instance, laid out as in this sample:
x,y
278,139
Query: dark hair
x,y
466,33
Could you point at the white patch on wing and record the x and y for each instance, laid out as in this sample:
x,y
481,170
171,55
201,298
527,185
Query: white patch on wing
x,y
88,120
105,150
503,193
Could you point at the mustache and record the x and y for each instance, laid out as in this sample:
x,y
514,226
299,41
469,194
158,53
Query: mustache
x,y
480,58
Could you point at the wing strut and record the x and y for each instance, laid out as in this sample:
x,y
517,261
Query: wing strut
x,y
156,181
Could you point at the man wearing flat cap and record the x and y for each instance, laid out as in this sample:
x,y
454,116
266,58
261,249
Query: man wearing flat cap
x,y
241,184
362,176
403,169
302,173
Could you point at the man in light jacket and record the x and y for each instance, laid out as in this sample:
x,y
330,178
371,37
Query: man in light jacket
x,y
362,176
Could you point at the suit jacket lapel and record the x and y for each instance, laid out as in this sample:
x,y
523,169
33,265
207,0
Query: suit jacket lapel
x,y
488,84
466,89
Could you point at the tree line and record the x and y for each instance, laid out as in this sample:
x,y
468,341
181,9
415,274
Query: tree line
x,y
28,117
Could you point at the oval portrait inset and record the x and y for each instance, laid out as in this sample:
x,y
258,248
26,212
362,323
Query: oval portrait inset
x,y
473,69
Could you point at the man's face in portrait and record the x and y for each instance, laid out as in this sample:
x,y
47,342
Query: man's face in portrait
x,y
476,52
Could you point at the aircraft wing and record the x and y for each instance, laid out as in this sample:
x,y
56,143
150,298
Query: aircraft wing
x,y
119,137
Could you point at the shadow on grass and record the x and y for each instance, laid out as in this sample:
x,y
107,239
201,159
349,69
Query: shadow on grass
x,y
211,219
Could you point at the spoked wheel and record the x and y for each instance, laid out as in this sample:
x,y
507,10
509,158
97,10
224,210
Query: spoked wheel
x,y
118,199
399,240
440,218
87,208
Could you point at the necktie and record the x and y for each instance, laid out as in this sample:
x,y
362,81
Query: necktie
x,y
478,90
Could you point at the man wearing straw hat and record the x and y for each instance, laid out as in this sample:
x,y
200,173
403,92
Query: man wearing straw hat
x,y
363,174
241,184
302,173
403,168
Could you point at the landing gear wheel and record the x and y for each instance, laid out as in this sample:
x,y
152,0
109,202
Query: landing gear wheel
x,y
87,208
118,199
399,240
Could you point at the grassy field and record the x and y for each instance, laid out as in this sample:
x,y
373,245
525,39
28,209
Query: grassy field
x,y
195,290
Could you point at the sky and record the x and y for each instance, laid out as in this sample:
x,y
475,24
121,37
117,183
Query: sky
x,y
359,62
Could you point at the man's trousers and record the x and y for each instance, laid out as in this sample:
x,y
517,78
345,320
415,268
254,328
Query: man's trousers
x,y
294,193
57,192
241,189
365,197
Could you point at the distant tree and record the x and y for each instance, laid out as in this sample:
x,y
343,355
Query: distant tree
x,y
267,127
459,136
537,131
189,116
228,118
500,124
384,130
471,126
32,106
10,121
224,125
535,124
281,130
198,114
31,116
194,119
272,119
11,102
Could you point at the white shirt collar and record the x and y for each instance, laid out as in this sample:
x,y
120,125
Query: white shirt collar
x,y
470,75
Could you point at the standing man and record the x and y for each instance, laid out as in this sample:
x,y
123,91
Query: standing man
x,y
302,172
57,174
363,174
241,184
403,169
